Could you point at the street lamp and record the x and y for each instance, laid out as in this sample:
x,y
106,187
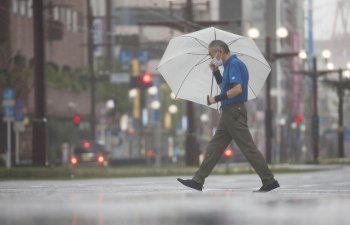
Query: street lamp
x,y
153,90
326,54
155,105
314,73
281,32
133,93
302,54
348,65
340,85
172,109
330,66
253,33
110,104
347,74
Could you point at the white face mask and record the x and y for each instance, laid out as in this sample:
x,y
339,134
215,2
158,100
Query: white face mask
x,y
217,62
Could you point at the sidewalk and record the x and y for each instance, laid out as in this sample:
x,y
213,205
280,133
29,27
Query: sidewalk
x,y
139,171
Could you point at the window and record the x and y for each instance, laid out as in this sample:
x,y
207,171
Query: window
x,y
69,19
23,7
75,21
15,6
30,8
63,15
56,13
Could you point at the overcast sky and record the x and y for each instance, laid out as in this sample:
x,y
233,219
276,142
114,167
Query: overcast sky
x,y
324,16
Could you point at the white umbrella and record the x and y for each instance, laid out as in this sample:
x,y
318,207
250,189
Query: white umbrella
x,y
185,64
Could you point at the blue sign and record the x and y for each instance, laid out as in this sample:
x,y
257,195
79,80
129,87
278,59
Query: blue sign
x,y
125,56
8,94
19,110
143,56
9,112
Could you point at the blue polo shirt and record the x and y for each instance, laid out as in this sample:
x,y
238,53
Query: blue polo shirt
x,y
235,72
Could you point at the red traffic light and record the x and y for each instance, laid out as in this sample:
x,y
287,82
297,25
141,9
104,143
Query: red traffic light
x,y
150,153
298,119
87,144
146,79
228,153
77,120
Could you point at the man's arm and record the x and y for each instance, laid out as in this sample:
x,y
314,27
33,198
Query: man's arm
x,y
217,76
234,91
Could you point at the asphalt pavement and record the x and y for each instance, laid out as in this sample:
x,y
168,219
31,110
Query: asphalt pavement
x,y
305,198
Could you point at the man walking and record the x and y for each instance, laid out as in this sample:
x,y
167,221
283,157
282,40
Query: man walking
x,y
233,121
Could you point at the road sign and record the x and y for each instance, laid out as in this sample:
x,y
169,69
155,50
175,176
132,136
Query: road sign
x,y
119,78
9,113
143,56
125,56
19,110
8,94
8,102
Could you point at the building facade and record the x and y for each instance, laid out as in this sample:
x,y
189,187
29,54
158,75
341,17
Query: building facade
x,y
65,50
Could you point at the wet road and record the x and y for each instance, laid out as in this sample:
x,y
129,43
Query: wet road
x,y
308,198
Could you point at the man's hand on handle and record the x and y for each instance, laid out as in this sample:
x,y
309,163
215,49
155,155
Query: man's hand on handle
x,y
210,100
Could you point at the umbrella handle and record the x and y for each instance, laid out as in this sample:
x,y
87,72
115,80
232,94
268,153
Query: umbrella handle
x,y
211,93
211,89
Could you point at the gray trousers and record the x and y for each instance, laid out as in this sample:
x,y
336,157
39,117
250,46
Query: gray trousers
x,y
233,126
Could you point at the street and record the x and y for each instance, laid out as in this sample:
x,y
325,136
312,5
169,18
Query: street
x,y
305,198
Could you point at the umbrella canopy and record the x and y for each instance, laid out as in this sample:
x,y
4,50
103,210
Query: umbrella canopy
x,y
185,64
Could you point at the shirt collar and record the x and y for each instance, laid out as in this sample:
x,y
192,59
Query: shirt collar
x,y
229,59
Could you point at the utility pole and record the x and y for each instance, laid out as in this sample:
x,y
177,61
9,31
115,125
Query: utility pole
x,y
268,110
192,151
108,34
91,69
315,119
315,74
271,21
39,121
271,58
187,25
340,85
340,116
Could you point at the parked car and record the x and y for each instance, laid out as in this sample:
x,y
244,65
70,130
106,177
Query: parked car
x,y
89,153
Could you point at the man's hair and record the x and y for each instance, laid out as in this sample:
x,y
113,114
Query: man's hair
x,y
218,44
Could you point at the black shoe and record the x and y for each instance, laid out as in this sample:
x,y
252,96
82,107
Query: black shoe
x,y
191,183
269,187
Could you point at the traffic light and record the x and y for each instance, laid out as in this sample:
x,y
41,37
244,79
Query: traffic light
x,y
143,81
77,120
298,118
146,79
87,144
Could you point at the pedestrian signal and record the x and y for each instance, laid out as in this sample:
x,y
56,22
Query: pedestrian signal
x,y
77,120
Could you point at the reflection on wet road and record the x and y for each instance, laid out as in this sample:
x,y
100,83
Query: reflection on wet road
x,y
309,198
